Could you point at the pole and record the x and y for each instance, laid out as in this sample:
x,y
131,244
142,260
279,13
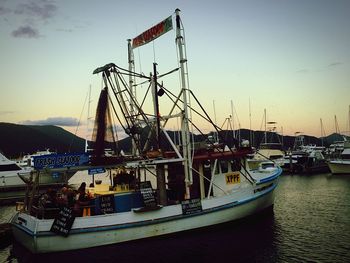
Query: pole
x,y
87,122
250,126
265,126
185,125
131,63
216,137
156,104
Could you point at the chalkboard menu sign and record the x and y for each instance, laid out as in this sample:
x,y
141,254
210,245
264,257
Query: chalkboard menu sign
x,y
63,222
107,204
191,206
147,194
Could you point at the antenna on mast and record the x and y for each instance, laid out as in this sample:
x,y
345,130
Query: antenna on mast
x,y
87,121
250,125
216,136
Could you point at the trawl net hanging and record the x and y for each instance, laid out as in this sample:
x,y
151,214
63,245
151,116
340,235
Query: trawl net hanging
x,y
103,136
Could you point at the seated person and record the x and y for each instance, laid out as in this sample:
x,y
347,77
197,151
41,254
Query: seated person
x,y
82,199
66,197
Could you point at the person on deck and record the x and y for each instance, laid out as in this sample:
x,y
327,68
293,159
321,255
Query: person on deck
x,y
66,197
82,200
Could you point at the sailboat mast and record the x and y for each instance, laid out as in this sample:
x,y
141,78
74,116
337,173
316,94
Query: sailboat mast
x,y
185,126
349,121
321,132
250,126
265,126
336,125
233,119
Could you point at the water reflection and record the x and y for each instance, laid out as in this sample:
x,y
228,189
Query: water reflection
x,y
310,222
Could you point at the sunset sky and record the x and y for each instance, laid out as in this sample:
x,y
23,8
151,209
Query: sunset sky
x,y
290,57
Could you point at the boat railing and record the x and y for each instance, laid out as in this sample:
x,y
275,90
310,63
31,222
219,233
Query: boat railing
x,y
53,212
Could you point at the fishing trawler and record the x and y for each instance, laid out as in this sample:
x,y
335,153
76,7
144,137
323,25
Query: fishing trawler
x,y
165,185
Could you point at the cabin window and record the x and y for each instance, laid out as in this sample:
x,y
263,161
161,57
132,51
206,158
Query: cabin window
x,y
345,156
275,157
9,167
267,165
235,165
224,166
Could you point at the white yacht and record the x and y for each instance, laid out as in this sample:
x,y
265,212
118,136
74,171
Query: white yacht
x,y
14,178
341,165
11,185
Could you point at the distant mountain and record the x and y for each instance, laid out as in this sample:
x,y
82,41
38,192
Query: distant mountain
x,y
17,140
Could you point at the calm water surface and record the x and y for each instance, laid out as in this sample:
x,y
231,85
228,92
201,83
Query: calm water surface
x,y
310,222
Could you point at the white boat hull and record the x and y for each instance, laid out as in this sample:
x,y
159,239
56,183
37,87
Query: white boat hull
x,y
339,167
13,187
115,228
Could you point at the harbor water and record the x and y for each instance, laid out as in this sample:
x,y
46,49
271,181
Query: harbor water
x,y
310,222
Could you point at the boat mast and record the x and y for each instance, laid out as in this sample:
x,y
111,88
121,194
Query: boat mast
x,y
156,104
349,121
232,121
216,136
336,125
87,122
322,132
265,126
185,127
250,126
132,88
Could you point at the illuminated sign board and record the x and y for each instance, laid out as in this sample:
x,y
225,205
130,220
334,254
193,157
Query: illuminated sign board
x,y
60,160
152,33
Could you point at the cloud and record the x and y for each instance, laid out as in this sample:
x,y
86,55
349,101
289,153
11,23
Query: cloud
x,y
4,10
41,9
67,30
335,64
25,31
303,71
4,112
57,121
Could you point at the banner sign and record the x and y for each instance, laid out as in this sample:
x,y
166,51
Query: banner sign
x,y
97,170
60,160
153,33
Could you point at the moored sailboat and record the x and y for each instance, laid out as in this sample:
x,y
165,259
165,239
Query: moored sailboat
x,y
195,184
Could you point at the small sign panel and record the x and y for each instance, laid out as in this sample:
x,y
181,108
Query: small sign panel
x,y
97,170
63,222
107,204
191,206
147,194
233,178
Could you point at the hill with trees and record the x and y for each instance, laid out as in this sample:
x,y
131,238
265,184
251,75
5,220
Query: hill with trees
x,y
17,140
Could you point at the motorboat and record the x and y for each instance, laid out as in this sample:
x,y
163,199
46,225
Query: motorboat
x,y
341,165
14,179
